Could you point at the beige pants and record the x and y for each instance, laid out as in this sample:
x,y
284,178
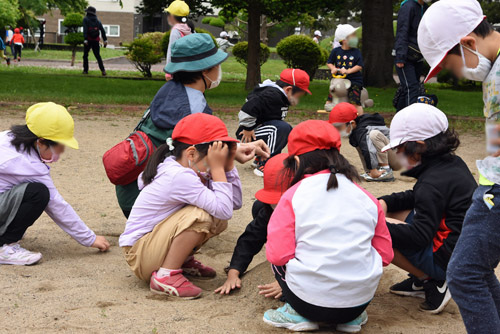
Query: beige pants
x,y
149,252
379,140
2,55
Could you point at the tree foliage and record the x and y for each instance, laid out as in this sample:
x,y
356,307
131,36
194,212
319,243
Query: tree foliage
x,y
73,22
9,12
299,51
145,51
240,52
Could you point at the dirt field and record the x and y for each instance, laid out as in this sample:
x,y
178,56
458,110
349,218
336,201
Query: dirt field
x,y
79,290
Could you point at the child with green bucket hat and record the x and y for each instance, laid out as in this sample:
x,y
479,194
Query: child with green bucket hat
x,y
195,67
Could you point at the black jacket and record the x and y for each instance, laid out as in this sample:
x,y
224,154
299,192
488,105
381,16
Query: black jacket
x,y
253,239
440,198
90,20
264,103
360,136
409,17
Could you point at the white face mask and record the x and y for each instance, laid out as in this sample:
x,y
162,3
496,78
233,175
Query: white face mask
x,y
478,73
404,162
344,133
293,100
206,175
215,83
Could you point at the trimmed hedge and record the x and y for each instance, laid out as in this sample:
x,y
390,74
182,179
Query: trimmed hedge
x,y
240,52
300,51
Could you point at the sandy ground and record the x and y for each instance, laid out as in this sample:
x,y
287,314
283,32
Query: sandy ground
x,y
79,290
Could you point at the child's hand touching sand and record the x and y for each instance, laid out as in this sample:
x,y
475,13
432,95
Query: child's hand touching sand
x,y
232,282
271,290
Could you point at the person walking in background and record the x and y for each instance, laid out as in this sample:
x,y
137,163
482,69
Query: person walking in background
x,y
223,41
18,41
2,53
8,38
409,60
317,36
91,28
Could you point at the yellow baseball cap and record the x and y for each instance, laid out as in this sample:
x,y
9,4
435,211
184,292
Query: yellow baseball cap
x,y
178,8
53,122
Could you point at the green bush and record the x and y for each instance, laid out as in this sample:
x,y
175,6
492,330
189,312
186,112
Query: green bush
x,y
240,52
299,51
206,20
74,38
166,39
72,22
146,51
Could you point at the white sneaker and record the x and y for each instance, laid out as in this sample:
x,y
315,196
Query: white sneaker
x,y
16,255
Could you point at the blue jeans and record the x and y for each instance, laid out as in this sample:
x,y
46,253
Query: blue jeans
x,y
471,271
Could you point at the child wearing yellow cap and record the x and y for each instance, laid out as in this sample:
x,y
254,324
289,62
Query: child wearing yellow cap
x,y
26,187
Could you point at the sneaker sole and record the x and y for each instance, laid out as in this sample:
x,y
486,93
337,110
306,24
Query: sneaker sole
x,y
300,327
385,180
419,294
258,173
162,293
444,303
14,263
351,329
196,274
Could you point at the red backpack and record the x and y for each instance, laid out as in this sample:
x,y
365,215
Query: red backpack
x,y
126,160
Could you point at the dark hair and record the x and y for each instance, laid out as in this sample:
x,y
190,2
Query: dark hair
x,y
24,140
482,30
191,25
186,78
295,89
442,145
316,161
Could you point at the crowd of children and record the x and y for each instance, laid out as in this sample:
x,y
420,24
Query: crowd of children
x,y
326,237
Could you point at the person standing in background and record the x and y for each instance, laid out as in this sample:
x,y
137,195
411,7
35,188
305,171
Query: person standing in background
x,y
91,28
8,38
317,36
409,60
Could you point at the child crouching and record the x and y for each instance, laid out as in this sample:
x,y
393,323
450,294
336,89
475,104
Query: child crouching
x,y
190,189
327,238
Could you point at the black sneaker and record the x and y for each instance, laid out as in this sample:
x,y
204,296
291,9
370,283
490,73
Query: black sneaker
x,y
104,73
412,287
8,61
85,72
437,296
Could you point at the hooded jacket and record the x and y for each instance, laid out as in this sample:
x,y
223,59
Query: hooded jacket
x,y
440,199
178,31
267,102
91,20
409,17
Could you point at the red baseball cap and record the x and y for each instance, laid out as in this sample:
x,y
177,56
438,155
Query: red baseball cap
x,y
276,182
342,113
313,135
201,128
297,78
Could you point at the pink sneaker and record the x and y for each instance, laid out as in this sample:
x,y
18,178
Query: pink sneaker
x,y
175,285
193,267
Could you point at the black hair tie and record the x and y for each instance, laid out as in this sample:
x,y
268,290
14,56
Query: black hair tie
x,y
333,170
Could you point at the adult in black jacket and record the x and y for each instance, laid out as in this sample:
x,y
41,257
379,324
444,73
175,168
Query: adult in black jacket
x,y
91,28
409,60
425,222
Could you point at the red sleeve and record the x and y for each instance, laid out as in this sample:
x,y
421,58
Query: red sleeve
x,y
280,247
382,238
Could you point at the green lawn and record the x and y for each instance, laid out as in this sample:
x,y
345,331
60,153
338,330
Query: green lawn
x,y
66,55
35,84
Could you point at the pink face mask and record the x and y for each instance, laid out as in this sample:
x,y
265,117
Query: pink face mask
x,y
53,158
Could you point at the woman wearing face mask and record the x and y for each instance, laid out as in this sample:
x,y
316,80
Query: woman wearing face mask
x,y
26,187
425,222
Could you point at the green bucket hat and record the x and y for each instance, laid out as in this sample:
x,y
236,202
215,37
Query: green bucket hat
x,y
193,53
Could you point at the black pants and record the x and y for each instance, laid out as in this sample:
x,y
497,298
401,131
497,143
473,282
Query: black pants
x,y
409,77
35,200
274,133
94,45
17,51
313,312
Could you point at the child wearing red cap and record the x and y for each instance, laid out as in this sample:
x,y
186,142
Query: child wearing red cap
x,y
18,41
368,134
253,239
190,188
264,112
327,238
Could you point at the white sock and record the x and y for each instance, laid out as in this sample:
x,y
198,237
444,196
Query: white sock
x,y
163,272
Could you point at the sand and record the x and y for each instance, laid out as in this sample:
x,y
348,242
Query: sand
x,y
79,290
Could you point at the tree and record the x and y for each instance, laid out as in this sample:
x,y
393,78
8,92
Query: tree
x,y
73,22
145,51
9,13
378,42
152,7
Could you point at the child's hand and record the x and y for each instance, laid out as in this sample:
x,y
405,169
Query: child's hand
x,y
232,282
230,158
271,290
343,71
217,155
101,243
383,204
247,136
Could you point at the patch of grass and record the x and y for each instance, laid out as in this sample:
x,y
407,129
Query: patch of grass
x,y
66,54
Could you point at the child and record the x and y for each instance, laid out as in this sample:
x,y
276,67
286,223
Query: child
x,y
177,14
253,239
190,188
317,36
264,112
368,134
2,51
455,35
428,219
18,41
26,187
223,41
347,60
327,238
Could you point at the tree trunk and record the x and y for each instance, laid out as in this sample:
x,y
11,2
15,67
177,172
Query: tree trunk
x,y
253,64
263,29
377,42
73,55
